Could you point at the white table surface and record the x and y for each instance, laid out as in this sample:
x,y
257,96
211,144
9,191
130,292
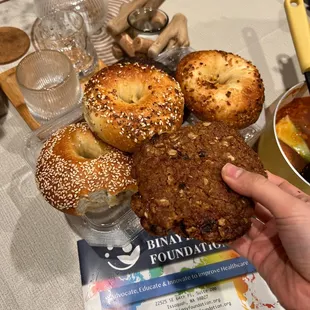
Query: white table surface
x,y
38,257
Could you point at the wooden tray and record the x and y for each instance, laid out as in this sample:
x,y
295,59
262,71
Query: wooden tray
x,y
10,87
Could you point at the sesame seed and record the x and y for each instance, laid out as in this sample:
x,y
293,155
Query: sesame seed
x,y
65,177
159,110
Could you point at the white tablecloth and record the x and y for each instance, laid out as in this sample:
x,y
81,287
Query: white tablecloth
x,y
38,256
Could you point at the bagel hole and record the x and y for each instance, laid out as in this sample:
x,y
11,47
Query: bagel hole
x,y
89,148
131,93
86,154
224,79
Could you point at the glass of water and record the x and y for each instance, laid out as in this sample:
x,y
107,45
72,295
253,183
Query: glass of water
x,y
94,12
49,83
65,31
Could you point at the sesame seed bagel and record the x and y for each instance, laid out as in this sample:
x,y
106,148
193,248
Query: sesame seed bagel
x,y
126,103
76,172
221,86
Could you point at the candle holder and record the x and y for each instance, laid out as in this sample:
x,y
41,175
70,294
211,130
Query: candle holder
x,y
147,22
141,29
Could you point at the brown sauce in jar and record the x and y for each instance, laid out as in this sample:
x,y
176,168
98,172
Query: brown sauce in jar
x,y
299,113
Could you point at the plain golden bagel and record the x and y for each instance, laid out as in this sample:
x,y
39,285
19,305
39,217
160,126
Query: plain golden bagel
x,y
76,172
220,86
127,103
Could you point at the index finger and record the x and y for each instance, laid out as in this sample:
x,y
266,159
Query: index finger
x,y
283,184
277,201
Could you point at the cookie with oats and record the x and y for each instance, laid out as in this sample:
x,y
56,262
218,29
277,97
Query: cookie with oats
x,y
181,188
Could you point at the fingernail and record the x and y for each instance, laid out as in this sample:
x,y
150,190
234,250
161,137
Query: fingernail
x,y
232,171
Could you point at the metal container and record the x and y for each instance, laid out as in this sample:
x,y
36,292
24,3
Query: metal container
x,y
269,148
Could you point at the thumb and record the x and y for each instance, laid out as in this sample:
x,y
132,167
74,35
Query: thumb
x,y
257,187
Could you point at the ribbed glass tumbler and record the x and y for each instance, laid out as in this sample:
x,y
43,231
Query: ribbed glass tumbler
x,y
49,83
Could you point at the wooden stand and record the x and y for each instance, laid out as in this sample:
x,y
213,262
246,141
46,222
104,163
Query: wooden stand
x,y
174,35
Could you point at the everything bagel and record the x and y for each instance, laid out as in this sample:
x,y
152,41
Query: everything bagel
x,y
127,103
220,86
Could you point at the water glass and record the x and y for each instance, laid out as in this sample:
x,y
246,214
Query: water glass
x,y
65,31
49,83
94,12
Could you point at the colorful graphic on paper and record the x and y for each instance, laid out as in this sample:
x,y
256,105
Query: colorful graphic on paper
x,y
168,273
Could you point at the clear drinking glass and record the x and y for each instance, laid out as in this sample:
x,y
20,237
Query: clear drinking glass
x,y
147,22
94,12
65,31
49,83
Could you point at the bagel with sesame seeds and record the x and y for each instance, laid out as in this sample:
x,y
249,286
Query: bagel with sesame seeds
x,y
77,173
220,86
127,103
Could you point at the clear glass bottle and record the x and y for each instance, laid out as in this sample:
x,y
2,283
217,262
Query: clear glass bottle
x,y
94,12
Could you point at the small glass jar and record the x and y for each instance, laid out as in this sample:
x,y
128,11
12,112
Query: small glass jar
x,y
147,22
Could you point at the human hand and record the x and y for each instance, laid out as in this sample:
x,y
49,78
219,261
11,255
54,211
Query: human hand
x,y
278,243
